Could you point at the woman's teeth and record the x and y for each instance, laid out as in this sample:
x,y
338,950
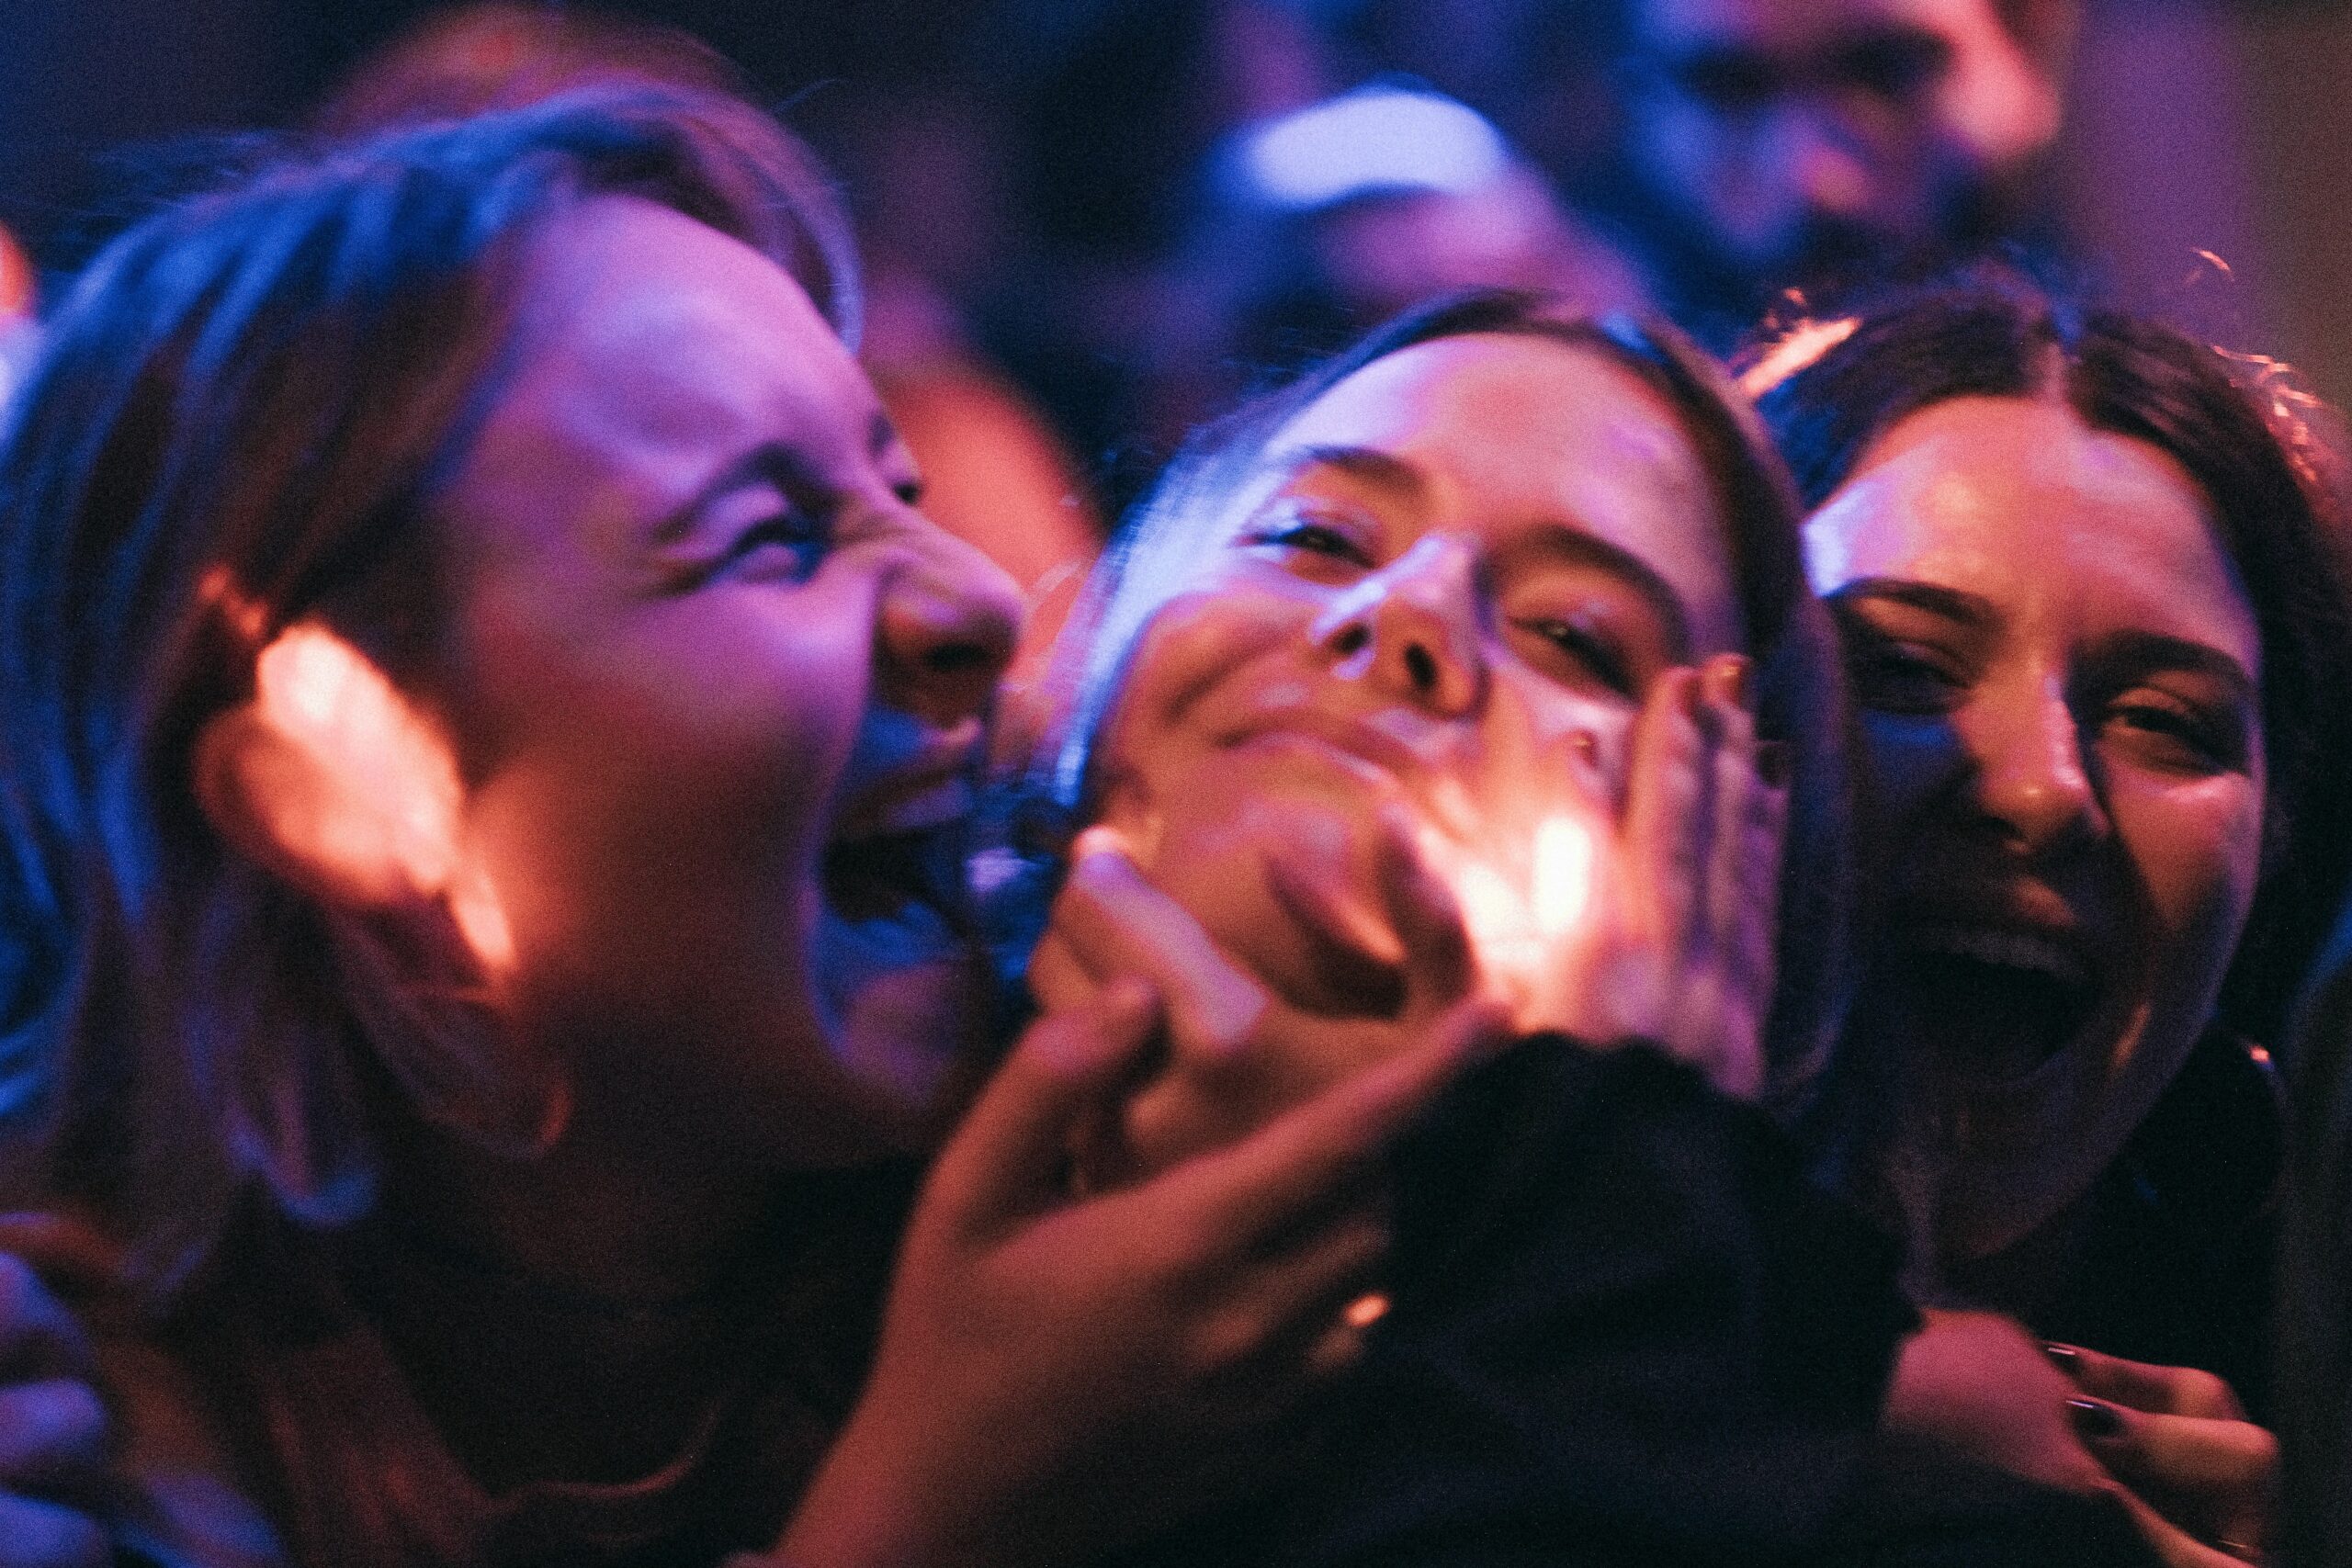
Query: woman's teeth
x,y
2008,949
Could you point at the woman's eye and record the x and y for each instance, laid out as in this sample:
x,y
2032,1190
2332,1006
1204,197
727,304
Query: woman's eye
x,y
789,544
1308,536
1590,650
2172,736
1894,675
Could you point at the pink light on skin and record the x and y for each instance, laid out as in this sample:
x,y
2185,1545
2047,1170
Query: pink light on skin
x,y
1526,902
362,788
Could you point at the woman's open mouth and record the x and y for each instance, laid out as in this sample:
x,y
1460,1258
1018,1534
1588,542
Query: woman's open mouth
x,y
892,880
1995,1002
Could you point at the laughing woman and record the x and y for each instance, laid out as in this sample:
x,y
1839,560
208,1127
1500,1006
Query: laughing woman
x,y
484,718
2097,630
1480,660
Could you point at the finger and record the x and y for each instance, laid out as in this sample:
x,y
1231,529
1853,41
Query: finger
x,y
2213,1478
1732,794
1665,827
1006,1159
1058,981
1116,922
35,1534
2161,1391
1280,1304
2175,1547
38,1337
52,1435
1427,915
1279,1173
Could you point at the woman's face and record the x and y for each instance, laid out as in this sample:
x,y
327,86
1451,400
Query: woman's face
x,y
716,687
1439,608
2058,678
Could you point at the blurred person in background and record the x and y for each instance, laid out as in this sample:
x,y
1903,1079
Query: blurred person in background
x,y
1740,148
998,475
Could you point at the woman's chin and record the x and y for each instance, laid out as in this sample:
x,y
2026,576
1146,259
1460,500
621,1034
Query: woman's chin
x,y
902,999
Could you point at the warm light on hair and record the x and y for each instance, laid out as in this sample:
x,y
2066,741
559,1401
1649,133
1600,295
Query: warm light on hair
x,y
1797,349
374,803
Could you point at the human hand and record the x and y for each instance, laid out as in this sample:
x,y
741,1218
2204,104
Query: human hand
x,y
1059,1375
1680,950
1978,1384
2205,1478
53,1430
1233,1053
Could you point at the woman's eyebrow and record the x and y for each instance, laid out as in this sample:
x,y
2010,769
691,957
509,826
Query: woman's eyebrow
x,y
1952,604
1574,546
2146,651
1381,470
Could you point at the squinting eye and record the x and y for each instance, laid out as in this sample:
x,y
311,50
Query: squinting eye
x,y
1593,651
2176,739
1898,676
1308,536
790,540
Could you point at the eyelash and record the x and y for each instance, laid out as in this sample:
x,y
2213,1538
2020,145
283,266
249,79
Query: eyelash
x,y
1310,536
1895,676
1898,676
2212,744
1596,652
806,537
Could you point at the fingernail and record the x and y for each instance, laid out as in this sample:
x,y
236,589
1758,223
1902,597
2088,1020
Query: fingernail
x,y
2094,1419
1774,762
1098,840
1691,696
1738,680
2065,1357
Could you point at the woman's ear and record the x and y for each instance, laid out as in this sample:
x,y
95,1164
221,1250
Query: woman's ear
x,y
333,779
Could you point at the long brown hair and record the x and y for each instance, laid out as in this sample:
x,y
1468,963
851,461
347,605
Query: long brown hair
x,y
241,418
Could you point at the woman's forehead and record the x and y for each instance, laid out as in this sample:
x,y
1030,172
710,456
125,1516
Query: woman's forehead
x,y
2018,501
1510,432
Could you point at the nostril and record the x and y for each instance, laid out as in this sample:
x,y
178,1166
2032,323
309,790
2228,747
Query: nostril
x,y
1351,639
956,658
1420,666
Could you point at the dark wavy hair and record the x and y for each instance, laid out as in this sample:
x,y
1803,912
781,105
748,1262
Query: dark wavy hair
x,y
2236,424
1799,694
241,418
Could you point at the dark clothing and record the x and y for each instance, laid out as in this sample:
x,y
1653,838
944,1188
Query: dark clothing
x,y
1626,1329
2314,1393
2180,1237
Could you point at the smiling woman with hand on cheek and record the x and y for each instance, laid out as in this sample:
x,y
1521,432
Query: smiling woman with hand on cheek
x,y
1477,667
2097,631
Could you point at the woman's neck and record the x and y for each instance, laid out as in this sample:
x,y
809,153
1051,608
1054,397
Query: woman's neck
x,y
568,1318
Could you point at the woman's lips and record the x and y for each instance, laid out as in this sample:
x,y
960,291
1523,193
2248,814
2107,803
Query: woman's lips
x,y
1353,740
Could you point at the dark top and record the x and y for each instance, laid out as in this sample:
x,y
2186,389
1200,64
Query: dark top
x,y
1627,1329
2179,1241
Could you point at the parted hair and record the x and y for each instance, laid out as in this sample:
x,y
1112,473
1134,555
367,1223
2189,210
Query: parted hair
x,y
240,420
2238,425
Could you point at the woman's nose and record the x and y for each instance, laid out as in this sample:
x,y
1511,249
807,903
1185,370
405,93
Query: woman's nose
x,y
2031,777
943,630
1413,628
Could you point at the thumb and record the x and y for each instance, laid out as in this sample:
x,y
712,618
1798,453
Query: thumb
x,y
1006,1159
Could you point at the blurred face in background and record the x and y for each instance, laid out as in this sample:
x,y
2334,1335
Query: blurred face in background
x,y
1788,138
